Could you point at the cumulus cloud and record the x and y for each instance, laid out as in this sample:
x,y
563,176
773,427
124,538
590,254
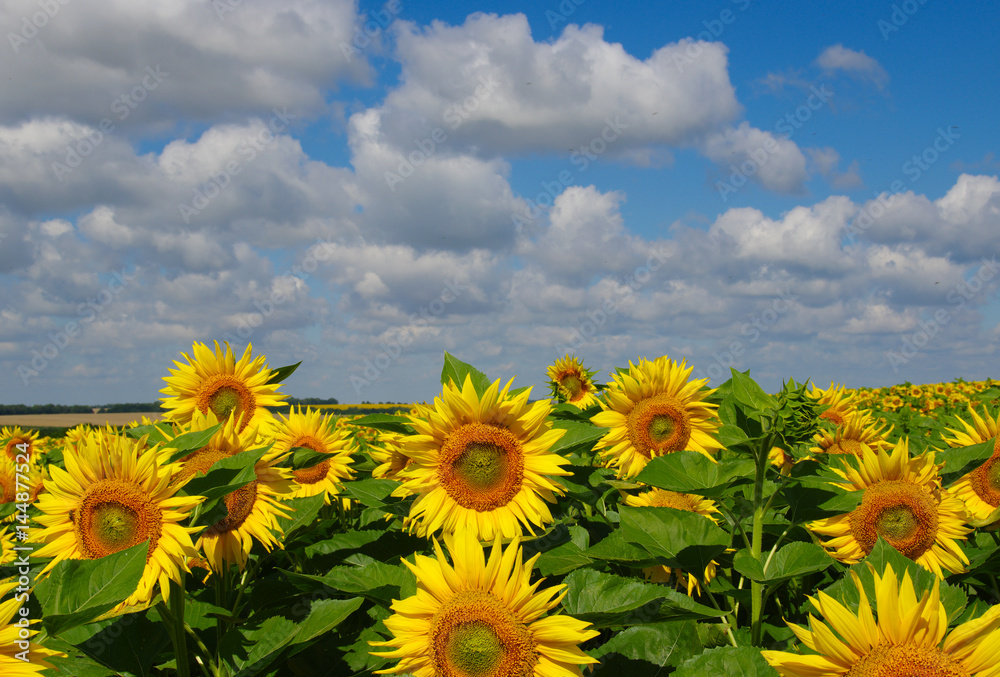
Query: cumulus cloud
x,y
857,64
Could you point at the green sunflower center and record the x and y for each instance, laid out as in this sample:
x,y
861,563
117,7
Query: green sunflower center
x,y
572,384
482,465
474,649
661,428
906,660
897,523
224,402
114,525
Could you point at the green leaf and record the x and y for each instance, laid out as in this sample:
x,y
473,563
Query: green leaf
x,y
579,437
76,662
791,561
455,371
188,442
693,473
607,600
127,644
78,591
662,644
364,576
747,392
686,539
281,373
304,457
615,548
371,493
302,512
325,615
250,649
747,565
963,460
352,540
226,475
562,559
157,432
731,661
387,422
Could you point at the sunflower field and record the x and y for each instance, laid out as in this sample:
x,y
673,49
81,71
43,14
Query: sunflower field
x,y
649,525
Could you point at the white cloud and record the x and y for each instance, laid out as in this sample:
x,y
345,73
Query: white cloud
x,y
857,64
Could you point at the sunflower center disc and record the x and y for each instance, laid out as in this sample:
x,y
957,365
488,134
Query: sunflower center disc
x,y
906,660
312,474
115,515
659,425
239,505
846,446
902,513
670,499
985,481
474,649
225,401
482,466
572,385
475,635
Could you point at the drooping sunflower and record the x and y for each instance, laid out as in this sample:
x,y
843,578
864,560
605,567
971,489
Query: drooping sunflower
x,y
661,498
858,431
903,503
13,437
979,489
482,618
840,401
481,463
654,410
909,637
571,382
216,381
387,452
15,660
110,498
310,429
8,480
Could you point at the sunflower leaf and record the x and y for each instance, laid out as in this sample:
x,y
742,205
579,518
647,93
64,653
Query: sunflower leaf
x,y
157,432
685,539
188,442
732,661
578,438
615,548
663,644
963,460
747,392
281,373
303,511
387,422
127,644
791,561
693,473
78,591
562,559
455,371
304,457
372,493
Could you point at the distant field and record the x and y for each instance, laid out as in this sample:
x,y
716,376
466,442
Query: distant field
x,y
70,420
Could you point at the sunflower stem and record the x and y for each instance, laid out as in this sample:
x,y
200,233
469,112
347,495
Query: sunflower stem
x,y
173,614
757,588
725,619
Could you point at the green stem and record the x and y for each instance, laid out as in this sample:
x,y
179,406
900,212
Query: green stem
x,y
774,549
247,577
725,619
173,614
732,517
756,588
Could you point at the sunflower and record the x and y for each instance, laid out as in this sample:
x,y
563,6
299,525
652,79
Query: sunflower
x,y
904,504
910,636
661,498
781,459
252,510
386,451
312,430
654,410
111,498
481,463
979,489
840,402
482,618
19,656
858,431
570,382
8,480
217,382
6,546
14,438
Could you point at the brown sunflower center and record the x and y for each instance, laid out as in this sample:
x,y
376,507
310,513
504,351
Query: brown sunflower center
x,y
200,460
13,450
239,505
846,446
832,414
670,499
226,394
659,425
906,660
475,635
482,466
312,474
985,481
114,515
902,513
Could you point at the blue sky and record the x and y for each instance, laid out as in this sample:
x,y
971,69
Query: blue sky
x,y
786,189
